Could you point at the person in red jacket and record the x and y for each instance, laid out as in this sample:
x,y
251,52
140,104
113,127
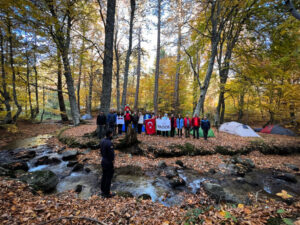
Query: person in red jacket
x,y
127,118
187,126
173,125
196,124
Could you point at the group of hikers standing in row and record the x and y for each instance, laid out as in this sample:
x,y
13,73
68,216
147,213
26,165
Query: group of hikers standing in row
x,y
115,121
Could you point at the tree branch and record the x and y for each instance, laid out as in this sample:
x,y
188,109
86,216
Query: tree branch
x,y
72,217
101,13
292,9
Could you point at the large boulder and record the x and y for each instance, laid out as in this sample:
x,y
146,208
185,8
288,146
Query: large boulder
x,y
69,155
161,164
286,177
6,172
26,155
45,180
45,160
220,193
16,166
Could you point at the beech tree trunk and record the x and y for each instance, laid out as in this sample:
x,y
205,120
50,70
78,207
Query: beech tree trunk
x,y
4,93
11,55
117,55
127,61
292,9
108,56
28,86
79,74
136,99
62,107
176,86
157,71
37,107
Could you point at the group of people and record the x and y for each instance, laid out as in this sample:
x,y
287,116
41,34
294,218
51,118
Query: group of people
x,y
113,123
116,120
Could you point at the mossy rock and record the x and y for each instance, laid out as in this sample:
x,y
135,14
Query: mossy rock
x,y
124,194
129,170
45,180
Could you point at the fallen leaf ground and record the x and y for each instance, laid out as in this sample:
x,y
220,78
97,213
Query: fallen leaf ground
x,y
18,205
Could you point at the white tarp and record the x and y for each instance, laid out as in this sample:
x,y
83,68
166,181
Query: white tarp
x,y
120,120
163,125
238,129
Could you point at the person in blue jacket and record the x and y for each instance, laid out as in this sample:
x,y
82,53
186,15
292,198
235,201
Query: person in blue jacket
x,y
111,121
107,163
205,125
179,123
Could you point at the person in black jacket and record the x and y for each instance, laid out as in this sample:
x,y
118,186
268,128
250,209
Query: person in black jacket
x,y
205,125
101,123
107,163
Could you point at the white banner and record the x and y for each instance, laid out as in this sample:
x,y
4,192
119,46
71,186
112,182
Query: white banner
x,y
163,125
120,120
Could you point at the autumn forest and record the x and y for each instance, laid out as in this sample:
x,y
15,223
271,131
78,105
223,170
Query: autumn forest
x,y
235,62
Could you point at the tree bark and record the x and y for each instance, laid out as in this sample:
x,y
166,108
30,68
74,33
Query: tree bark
x,y
11,55
176,85
157,71
80,73
127,61
292,9
136,99
108,56
90,93
28,86
4,92
62,107
117,55
37,108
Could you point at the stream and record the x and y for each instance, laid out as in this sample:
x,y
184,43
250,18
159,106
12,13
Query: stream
x,y
162,188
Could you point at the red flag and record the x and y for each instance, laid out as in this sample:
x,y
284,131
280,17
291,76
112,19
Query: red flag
x,y
150,126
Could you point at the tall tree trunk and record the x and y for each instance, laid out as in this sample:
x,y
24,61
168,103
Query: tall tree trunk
x,y
70,86
136,99
117,69
11,55
90,93
127,61
108,56
204,87
4,92
37,108
157,71
241,107
176,86
292,9
80,73
28,86
62,107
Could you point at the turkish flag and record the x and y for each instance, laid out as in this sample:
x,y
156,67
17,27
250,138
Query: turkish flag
x,y
150,126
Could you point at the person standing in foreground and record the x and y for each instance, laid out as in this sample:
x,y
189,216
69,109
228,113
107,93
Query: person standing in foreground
x,y
173,125
107,163
205,125
187,126
179,123
196,124
165,133
140,122
101,122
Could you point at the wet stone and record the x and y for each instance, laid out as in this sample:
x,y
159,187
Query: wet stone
x,y
45,160
161,164
179,163
77,167
45,180
176,182
69,155
124,194
71,163
144,197
26,155
87,170
287,177
78,188
16,166
292,166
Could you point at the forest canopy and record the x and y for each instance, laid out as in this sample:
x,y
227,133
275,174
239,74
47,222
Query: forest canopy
x,y
229,60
